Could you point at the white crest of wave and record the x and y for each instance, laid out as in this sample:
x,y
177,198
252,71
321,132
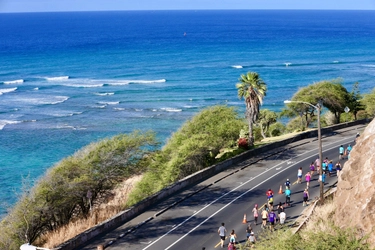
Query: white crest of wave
x,y
287,64
45,100
237,66
119,109
81,85
57,78
14,81
3,123
2,91
369,65
125,82
109,103
104,94
171,109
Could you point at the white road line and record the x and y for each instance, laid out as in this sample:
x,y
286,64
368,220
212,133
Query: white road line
x,y
233,199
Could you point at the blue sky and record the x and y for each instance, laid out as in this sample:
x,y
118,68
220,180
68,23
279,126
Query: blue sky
x,y
97,5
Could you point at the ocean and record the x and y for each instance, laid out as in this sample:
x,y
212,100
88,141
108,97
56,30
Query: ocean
x,y
68,79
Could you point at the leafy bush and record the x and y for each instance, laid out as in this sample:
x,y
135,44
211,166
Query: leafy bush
x,y
73,186
192,148
277,129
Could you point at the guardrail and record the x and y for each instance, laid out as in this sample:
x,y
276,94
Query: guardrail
x,y
206,173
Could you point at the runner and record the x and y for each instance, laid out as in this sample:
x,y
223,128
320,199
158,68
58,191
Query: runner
x,y
287,183
341,152
272,219
317,164
233,237
305,197
264,218
270,198
308,178
222,232
312,168
324,166
255,212
249,229
299,175
269,193
280,209
287,197
270,203
330,168
348,150
282,217
338,168
252,239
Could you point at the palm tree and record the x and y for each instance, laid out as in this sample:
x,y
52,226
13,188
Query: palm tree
x,y
252,88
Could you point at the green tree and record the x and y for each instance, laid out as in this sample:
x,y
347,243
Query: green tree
x,y
333,95
253,89
266,118
354,102
369,102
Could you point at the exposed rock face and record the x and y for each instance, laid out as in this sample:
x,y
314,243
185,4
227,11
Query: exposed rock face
x,y
355,196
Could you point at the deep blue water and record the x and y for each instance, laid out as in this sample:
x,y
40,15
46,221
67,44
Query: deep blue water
x,y
68,79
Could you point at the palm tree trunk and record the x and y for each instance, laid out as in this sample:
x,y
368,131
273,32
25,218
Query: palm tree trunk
x,y
251,137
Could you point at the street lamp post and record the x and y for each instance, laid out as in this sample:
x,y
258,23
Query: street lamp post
x,y
318,108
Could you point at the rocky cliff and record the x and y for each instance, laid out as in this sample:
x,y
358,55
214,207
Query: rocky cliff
x,y
355,196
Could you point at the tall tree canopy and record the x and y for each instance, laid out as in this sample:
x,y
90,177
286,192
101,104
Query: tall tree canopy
x,y
253,89
333,95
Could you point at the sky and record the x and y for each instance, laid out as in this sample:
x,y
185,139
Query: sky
x,y
103,5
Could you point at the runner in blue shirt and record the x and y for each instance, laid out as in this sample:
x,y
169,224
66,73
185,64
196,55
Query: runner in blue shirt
x,y
287,197
341,152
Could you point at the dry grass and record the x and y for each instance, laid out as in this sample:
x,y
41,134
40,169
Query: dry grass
x,y
281,137
100,214
318,220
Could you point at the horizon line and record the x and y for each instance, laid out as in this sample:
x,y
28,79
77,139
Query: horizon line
x,y
68,11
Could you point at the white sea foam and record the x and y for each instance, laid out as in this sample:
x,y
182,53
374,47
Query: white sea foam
x,y
104,94
119,109
125,82
45,100
237,66
109,103
171,109
139,110
335,61
2,91
99,106
369,65
36,88
57,78
82,85
3,123
287,64
14,81
66,114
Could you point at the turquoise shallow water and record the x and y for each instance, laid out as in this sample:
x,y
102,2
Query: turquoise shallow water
x,y
67,79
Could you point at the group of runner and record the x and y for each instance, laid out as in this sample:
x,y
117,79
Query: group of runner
x,y
222,231
268,214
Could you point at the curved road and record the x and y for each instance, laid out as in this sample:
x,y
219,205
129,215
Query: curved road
x,y
226,197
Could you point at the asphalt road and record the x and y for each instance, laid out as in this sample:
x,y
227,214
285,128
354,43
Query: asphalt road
x,y
193,223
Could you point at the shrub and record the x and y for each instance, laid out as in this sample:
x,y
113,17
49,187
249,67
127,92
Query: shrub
x,y
277,129
192,148
73,186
